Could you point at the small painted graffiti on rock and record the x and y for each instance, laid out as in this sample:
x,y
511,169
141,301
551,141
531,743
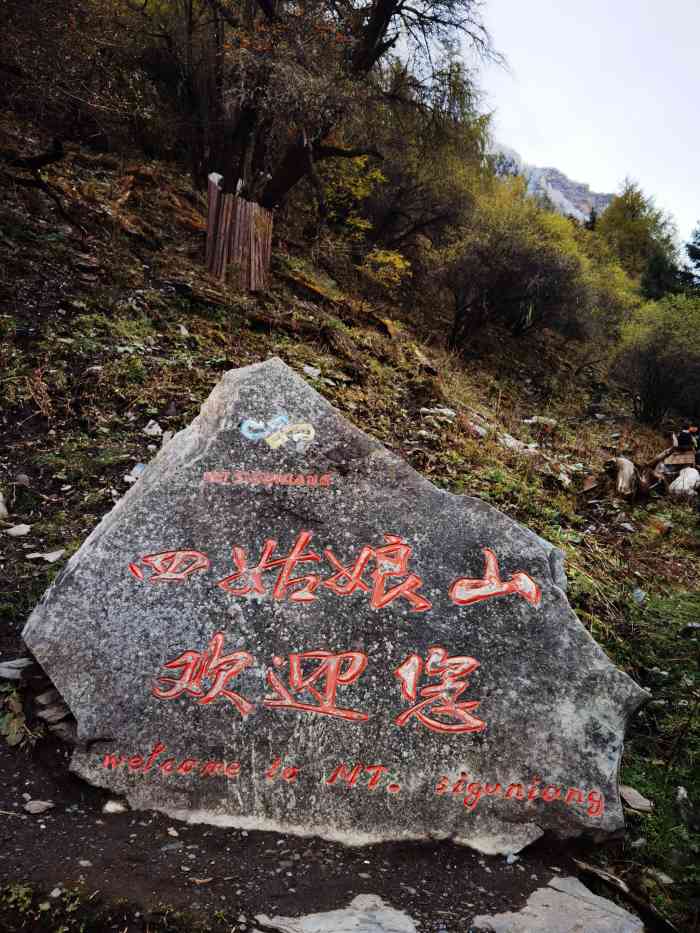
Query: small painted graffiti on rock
x,y
278,431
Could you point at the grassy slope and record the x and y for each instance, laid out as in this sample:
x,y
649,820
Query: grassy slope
x,y
100,333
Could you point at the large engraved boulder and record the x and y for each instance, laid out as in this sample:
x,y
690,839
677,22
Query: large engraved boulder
x,y
283,626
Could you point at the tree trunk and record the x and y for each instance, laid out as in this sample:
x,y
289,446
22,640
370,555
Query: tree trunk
x,y
459,323
293,167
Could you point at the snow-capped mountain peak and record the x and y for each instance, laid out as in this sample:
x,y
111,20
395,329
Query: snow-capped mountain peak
x,y
571,198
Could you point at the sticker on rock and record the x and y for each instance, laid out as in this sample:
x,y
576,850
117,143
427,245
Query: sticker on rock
x,y
277,432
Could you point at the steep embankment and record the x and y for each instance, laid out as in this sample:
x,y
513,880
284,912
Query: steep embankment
x,y
109,323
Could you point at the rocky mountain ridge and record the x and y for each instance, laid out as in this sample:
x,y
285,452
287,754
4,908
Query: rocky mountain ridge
x,y
571,198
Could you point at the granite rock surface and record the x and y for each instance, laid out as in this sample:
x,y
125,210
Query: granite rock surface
x,y
366,913
563,906
283,626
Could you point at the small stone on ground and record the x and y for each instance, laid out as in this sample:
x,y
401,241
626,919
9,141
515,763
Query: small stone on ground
x,y
635,800
38,806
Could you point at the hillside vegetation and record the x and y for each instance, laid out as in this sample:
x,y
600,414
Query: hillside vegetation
x,y
434,303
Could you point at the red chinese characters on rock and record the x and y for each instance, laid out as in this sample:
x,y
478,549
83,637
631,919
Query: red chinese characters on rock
x,y
246,581
392,561
382,573
310,689
439,699
320,683
209,666
313,678
171,566
465,592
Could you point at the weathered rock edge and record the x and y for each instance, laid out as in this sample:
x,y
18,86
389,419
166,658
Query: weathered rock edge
x,y
190,447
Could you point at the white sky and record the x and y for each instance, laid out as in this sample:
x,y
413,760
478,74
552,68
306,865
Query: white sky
x,y
603,89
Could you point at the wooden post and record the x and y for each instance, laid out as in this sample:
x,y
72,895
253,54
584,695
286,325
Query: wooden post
x,y
238,232
251,244
213,197
223,234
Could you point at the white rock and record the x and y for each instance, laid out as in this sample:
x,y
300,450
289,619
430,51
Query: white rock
x,y
153,429
539,419
367,913
17,531
635,800
686,484
50,558
38,806
4,514
311,371
563,906
114,806
440,412
85,863
19,664
172,831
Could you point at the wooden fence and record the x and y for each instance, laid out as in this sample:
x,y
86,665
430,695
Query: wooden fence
x,y
239,234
